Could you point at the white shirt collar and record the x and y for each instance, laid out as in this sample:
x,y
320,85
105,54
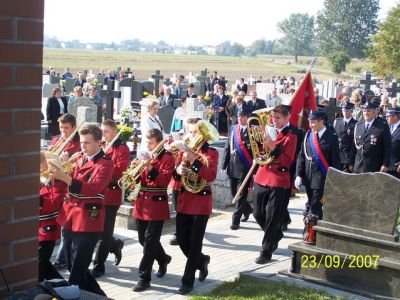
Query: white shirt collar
x,y
369,123
91,157
396,125
279,130
243,127
321,132
347,120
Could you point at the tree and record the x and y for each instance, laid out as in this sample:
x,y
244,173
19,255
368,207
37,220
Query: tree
x,y
346,26
385,49
257,47
299,33
236,49
338,61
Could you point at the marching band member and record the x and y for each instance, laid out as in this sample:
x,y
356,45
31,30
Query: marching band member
x,y
120,155
151,209
319,152
272,183
193,211
67,125
238,160
82,214
52,195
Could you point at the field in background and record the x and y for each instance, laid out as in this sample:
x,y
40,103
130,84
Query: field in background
x,y
144,64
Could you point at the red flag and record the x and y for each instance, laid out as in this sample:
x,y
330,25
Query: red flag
x,y
303,100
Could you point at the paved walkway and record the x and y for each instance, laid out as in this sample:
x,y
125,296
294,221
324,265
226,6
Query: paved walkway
x,y
232,252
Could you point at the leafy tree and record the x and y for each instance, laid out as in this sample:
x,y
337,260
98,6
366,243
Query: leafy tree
x,y
385,49
257,47
51,42
299,33
338,61
224,48
236,49
346,26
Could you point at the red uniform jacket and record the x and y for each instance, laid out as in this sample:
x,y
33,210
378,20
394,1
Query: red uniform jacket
x,y
277,173
51,199
72,147
200,203
120,155
84,211
152,204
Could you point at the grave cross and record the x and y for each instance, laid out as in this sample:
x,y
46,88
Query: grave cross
x,y
204,80
168,82
109,94
394,89
157,78
367,81
128,73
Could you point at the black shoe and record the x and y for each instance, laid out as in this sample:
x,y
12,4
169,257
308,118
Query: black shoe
x,y
204,269
59,265
162,269
234,227
246,216
141,286
263,258
173,241
184,290
97,273
118,252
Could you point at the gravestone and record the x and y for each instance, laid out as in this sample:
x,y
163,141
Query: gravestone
x,y
47,90
357,245
270,103
156,77
148,86
70,84
93,113
204,80
137,91
264,90
369,95
168,82
367,82
331,112
166,114
51,79
109,94
393,90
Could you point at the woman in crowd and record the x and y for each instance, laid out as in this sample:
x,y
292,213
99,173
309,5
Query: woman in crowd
x,y
56,107
78,92
150,121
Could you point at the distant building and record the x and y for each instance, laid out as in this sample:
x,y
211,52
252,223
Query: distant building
x,y
211,50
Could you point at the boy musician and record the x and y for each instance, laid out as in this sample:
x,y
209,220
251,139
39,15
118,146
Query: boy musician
x,y
193,212
151,208
83,213
119,154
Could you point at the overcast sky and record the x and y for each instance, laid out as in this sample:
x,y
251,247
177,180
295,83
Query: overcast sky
x,y
193,22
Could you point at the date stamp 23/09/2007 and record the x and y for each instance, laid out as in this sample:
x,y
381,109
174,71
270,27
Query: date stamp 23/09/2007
x,y
339,262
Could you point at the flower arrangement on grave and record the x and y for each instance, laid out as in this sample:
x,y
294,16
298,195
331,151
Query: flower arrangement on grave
x,y
95,82
210,113
126,132
126,113
207,99
145,94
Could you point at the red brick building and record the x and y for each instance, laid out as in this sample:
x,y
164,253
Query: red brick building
x,y
21,56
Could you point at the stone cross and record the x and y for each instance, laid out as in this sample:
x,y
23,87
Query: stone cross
x,y
129,73
394,89
204,80
157,78
367,81
109,94
168,82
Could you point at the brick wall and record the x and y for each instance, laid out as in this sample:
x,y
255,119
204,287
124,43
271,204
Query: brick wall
x,y
21,42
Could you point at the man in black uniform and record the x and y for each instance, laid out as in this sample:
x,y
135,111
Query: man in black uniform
x,y
344,128
393,117
237,162
319,152
373,142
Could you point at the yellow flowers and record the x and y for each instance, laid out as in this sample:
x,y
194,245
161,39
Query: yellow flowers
x,y
126,132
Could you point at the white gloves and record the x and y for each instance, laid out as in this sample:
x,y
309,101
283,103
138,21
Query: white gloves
x,y
298,182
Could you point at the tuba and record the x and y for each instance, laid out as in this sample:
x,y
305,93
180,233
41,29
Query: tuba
x,y
207,133
257,133
131,176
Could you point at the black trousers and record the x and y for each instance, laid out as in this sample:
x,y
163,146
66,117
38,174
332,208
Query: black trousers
x,y
285,214
175,195
190,231
79,248
242,207
314,205
269,205
46,268
107,242
149,233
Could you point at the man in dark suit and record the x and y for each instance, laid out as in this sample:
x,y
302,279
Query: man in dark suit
x,y
319,152
237,161
81,80
190,91
109,76
242,86
393,117
344,128
255,103
373,142
168,98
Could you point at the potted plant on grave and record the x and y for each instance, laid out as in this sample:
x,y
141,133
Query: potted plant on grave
x,y
126,114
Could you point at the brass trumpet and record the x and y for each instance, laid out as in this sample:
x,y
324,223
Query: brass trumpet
x,y
207,133
66,166
131,176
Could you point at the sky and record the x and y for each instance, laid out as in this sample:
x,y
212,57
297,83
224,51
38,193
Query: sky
x,y
178,22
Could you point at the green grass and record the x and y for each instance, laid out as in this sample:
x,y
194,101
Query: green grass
x,y
244,288
144,64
